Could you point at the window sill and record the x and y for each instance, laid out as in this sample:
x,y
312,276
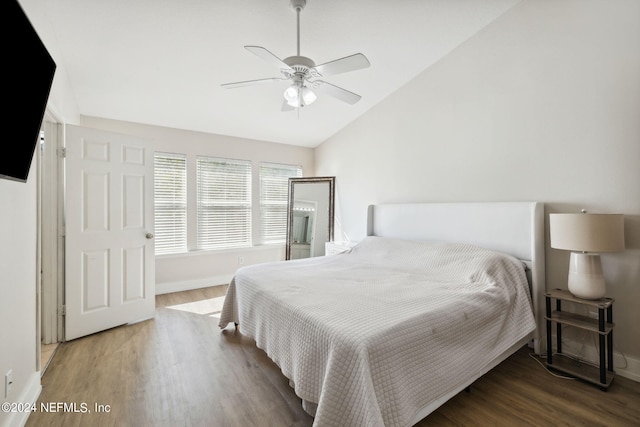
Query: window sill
x,y
200,252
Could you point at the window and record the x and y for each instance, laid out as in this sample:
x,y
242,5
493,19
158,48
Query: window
x,y
170,203
223,203
274,189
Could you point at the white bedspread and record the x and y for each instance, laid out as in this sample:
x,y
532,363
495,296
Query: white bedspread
x,y
376,334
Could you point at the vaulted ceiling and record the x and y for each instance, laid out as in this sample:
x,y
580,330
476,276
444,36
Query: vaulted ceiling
x,y
162,62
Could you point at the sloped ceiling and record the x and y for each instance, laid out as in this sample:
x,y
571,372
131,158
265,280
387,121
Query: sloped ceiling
x,y
161,62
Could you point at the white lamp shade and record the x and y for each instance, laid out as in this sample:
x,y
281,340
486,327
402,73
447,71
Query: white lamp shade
x,y
586,232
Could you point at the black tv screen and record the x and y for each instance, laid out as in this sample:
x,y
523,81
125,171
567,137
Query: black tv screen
x,y
28,72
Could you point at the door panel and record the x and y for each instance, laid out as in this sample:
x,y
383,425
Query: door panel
x,y
110,277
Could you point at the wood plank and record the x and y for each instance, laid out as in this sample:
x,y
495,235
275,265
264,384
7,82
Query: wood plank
x,y
565,295
579,321
582,370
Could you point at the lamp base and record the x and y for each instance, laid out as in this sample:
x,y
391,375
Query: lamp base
x,y
585,276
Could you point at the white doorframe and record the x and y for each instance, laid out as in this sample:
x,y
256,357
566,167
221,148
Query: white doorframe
x,y
50,285
39,216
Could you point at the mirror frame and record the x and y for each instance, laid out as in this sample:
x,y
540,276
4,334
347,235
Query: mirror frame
x,y
308,180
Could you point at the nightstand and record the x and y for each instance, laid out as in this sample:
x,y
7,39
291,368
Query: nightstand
x,y
601,375
332,248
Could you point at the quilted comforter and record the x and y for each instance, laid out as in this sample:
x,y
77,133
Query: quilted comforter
x,y
372,336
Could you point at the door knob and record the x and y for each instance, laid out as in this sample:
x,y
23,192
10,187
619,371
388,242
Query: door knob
x,y
149,236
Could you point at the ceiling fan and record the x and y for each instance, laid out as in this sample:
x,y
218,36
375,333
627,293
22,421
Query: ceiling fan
x,y
305,74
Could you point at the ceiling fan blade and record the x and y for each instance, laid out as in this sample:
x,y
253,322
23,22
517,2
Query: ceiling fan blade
x,y
336,92
342,65
268,56
252,82
286,106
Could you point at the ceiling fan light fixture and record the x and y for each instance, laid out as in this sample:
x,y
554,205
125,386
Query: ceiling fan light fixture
x,y
291,93
301,71
308,96
299,96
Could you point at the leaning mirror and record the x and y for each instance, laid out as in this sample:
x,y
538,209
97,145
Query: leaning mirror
x,y
309,216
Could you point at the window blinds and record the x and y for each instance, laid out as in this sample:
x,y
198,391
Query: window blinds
x,y
274,190
170,203
223,203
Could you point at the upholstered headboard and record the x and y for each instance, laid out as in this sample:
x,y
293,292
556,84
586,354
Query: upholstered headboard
x,y
515,228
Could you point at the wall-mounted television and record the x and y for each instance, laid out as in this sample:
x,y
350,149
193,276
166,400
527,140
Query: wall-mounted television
x,y
28,71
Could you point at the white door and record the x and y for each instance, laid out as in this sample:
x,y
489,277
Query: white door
x,y
109,249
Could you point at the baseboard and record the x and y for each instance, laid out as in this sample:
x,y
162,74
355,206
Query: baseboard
x,y
632,370
169,287
29,395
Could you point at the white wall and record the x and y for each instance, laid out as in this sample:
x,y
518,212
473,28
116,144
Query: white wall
x,y
208,268
543,104
18,225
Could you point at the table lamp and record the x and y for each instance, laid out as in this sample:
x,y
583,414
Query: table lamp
x,y
586,235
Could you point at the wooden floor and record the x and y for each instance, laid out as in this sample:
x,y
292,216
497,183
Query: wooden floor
x,y
46,353
180,369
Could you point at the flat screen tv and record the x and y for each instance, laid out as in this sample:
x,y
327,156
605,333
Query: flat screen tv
x,y
28,72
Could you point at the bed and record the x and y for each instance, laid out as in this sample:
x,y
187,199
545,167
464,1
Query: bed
x,y
434,297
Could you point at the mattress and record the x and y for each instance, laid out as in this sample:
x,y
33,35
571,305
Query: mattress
x,y
372,336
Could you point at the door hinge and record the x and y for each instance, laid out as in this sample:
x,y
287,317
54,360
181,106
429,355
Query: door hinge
x,y
62,310
62,152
